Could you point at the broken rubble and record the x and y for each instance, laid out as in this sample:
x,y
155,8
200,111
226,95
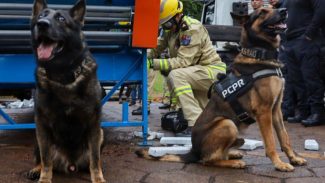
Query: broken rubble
x,y
160,151
311,144
176,140
21,104
251,144
151,135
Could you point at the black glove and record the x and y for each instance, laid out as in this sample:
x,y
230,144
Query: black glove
x,y
165,73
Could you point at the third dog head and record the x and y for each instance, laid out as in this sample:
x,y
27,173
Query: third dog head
x,y
56,34
262,27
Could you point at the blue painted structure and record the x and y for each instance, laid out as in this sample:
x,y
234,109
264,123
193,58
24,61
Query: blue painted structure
x,y
115,66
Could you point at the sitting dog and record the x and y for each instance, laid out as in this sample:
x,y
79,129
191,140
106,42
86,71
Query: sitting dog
x,y
251,92
68,95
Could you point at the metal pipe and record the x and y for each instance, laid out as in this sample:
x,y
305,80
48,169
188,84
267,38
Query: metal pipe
x,y
21,6
98,19
28,49
89,14
87,33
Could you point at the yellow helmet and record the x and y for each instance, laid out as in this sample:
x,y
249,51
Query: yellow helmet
x,y
168,9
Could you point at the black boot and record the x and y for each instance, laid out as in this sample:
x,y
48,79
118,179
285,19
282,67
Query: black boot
x,y
186,133
164,106
132,103
286,114
314,120
138,111
297,118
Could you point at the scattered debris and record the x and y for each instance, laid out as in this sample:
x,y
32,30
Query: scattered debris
x,y
176,140
159,135
311,144
182,145
251,144
21,104
19,111
151,135
160,151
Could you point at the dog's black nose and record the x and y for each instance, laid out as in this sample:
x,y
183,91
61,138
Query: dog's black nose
x,y
43,23
283,11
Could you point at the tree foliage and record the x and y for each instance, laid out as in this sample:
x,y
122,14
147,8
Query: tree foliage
x,y
193,8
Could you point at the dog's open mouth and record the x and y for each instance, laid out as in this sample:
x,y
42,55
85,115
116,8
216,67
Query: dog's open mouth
x,y
277,24
276,27
279,27
48,48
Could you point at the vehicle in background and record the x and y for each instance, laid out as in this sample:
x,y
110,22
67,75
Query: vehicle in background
x,y
217,12
223,31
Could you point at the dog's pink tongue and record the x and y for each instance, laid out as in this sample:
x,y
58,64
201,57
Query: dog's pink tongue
x,y
44,51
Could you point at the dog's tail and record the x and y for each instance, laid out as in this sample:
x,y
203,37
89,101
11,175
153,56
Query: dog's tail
x,y
190,157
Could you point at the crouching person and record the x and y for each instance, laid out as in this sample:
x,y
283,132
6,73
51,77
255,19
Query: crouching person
x,y
193,64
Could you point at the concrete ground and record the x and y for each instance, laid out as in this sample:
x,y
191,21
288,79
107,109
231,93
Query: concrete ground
x,y
122,166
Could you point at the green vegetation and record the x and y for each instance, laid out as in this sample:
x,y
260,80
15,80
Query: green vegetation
x,y
193,8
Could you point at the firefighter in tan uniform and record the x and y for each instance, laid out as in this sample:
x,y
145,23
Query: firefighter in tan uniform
x,y
193,63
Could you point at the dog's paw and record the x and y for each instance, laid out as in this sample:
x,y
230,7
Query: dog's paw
x,y
44,181
103,181
284,167
298,161
239,164
234,154
99,180
33,174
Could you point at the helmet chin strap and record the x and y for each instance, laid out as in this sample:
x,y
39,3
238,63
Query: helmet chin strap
x,y
179,23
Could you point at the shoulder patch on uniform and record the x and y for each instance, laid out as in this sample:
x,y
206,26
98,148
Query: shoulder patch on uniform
x,y
185,40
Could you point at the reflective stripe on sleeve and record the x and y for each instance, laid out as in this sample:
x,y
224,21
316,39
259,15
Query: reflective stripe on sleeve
x,y
183,89
163,64
221,66
210,73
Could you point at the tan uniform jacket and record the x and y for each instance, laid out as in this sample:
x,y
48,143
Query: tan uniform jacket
x,y
188,47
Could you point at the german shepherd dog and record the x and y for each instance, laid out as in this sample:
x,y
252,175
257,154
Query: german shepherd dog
x,y
216,130
68,94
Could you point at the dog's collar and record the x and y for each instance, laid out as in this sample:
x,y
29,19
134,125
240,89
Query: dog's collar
x,y
77,72
79,68
259,53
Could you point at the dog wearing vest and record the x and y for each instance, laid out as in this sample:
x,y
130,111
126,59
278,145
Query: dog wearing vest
x,y
251,91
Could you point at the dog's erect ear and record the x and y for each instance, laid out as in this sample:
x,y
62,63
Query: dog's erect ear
x,y
241,19
39,5
263,12
78,11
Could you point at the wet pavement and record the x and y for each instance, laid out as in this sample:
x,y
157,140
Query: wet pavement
x,y
122,166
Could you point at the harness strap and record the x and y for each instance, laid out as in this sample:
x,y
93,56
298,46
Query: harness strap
x,y
267,72
240,112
